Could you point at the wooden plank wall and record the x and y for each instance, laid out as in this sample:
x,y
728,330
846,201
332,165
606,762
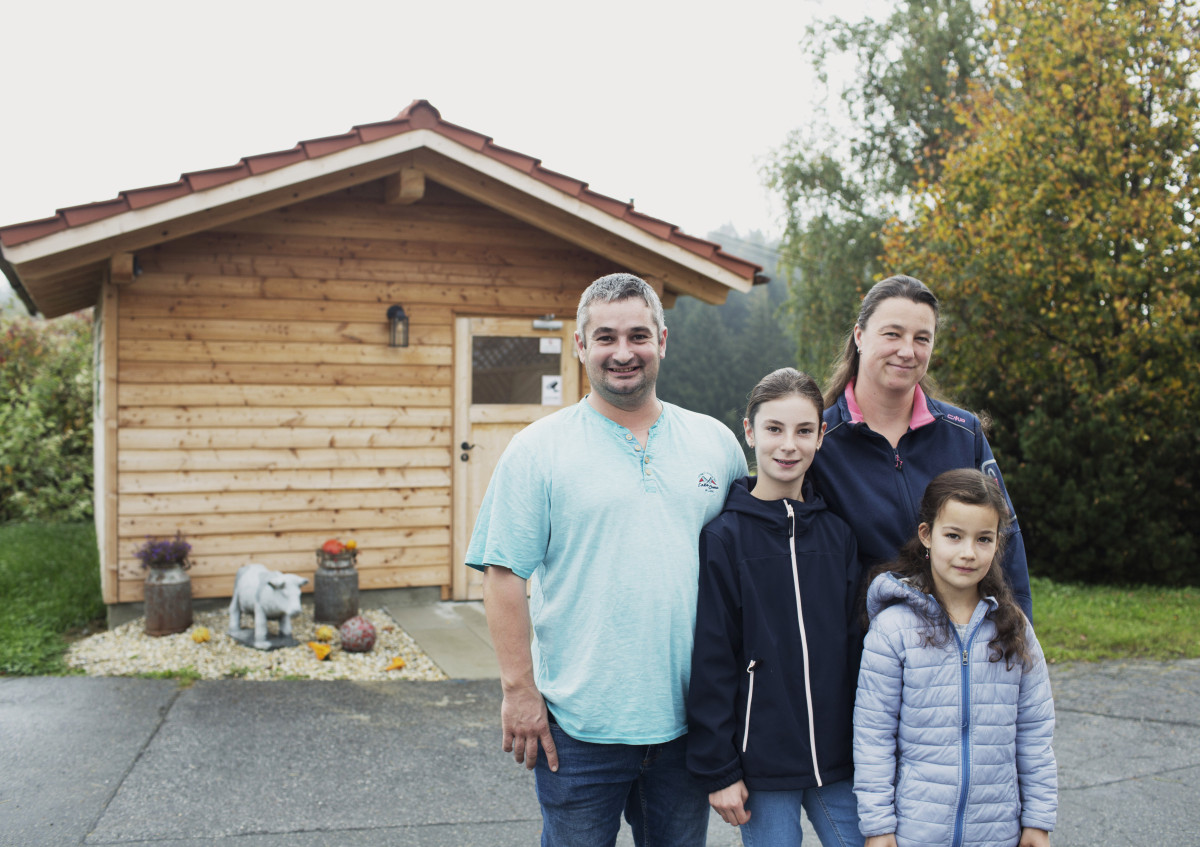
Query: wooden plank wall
x,y
260,408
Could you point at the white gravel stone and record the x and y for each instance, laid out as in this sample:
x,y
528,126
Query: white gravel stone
x,y
128,651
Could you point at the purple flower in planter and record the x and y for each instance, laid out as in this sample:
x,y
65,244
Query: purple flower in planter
x,y
165,552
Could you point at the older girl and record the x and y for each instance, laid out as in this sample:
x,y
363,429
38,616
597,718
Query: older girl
x,y
777,645
953,717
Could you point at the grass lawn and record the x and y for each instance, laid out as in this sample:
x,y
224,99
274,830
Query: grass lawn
x,y
1094,622
49,586
50,589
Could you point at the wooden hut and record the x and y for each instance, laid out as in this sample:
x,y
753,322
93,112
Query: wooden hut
x,y
250,392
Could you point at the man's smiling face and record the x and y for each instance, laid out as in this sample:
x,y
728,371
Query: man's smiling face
x,y
621,351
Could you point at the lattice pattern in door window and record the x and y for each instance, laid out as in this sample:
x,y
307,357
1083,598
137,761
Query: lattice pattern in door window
x,y
509,370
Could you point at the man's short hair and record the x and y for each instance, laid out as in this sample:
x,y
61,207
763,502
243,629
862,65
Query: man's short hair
x,y
615,287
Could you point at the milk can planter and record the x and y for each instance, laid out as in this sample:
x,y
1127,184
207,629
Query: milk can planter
x,y
335,585
167,588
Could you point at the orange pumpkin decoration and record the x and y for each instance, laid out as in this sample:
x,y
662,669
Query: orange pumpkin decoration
x,y
321,650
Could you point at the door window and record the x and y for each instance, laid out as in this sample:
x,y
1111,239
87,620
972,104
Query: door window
x,y
507,370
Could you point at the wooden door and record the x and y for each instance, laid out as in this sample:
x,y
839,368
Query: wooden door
x,y
507,374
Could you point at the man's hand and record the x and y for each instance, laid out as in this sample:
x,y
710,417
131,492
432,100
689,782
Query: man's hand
x,y
523,717
730,803
1031,837
525,723
888,840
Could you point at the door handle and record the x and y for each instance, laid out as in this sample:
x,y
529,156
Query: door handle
x,y
465,456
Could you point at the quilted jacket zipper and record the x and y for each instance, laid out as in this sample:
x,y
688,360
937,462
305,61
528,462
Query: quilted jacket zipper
x,y
964,738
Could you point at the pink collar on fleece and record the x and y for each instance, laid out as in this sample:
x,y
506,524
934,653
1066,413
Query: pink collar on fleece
x,y
920,414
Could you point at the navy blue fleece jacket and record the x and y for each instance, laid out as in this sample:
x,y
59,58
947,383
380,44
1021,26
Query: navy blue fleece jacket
x,y
777,645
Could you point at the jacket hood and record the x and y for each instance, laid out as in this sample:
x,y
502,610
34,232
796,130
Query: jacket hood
x,y
772,512
888,589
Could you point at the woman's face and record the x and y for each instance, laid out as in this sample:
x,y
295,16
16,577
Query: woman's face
x,y
896,345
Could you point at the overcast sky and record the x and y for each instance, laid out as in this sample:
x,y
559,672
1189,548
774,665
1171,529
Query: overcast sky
x,y
675,105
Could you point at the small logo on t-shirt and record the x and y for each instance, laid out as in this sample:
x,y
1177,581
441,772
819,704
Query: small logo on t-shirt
x,y
956,418
708,482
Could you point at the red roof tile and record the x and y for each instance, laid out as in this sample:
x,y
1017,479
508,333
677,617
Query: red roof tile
x,y
419,114
85,214
265,162
213,177
523,163
139,198
32,230
379,131
654,226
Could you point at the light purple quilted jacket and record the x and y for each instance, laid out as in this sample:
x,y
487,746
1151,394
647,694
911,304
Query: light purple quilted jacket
x,y
946,751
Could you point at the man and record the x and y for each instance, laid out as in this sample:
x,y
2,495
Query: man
x,y
600,507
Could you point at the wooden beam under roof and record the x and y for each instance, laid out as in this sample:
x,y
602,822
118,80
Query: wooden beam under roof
x,y
122,268
405,187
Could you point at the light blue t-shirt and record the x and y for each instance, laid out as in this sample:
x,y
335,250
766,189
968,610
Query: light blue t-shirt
x,y
607,534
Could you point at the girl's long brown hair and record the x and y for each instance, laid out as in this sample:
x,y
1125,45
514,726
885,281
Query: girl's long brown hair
x,y
973,488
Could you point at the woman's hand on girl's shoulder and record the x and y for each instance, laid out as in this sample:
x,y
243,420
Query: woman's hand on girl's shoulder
x,y
1031,837
730,803
888,840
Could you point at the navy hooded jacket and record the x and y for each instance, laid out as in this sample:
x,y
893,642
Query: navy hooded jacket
x,y
878,490
775,661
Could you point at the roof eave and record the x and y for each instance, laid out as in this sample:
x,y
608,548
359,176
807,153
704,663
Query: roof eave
x,y
93,242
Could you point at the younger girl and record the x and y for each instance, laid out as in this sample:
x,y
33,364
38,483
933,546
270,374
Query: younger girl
x,y
953,718
777,642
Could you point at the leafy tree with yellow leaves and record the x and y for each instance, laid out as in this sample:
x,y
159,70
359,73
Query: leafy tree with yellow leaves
x,y
1060,235
841,178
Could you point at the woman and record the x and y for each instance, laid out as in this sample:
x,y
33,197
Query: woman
x,y
888,437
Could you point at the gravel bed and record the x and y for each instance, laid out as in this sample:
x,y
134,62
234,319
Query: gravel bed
x,y
128,651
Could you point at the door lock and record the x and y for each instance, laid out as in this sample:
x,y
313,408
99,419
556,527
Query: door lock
x,y
465,447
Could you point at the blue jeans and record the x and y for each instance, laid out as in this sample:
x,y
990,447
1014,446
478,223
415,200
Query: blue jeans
x,y
582,802
775,816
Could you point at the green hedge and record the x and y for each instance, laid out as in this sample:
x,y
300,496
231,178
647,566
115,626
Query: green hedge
x,y
46,389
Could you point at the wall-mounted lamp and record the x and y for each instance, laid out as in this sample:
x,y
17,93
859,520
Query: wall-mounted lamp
x,y
399,326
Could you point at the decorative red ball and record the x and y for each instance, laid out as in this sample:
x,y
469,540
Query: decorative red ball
x,y
358,635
